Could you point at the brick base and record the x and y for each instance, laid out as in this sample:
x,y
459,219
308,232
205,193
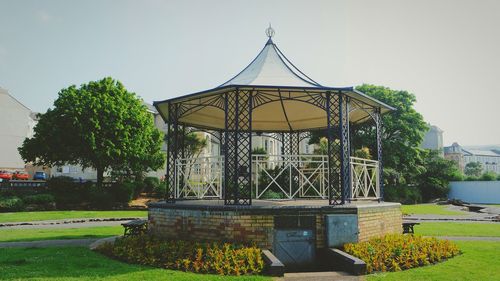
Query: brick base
x,y
256,225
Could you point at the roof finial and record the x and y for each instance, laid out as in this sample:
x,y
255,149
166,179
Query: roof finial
x,y
269,31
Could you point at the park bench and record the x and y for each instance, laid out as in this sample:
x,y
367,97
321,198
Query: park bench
x,y
135,227
408,227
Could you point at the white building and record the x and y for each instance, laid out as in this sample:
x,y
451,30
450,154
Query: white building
x,y
16,123
490,160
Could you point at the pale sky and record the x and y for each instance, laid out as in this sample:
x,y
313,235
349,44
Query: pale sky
x,y
446,52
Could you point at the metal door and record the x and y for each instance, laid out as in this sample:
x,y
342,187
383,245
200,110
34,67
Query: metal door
x,y
294,247
341,229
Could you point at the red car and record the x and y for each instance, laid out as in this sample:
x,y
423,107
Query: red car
x,y
5,175
20,176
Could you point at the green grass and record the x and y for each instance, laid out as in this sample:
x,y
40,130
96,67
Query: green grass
x,y
59,215
458,229
479,261
28,234
75,263
429,209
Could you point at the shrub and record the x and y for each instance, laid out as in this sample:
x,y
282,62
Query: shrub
x,y
11,204
67,192
100,198
402,194
41,199
223,259
396,252
161,189
122,192
151,184
488,176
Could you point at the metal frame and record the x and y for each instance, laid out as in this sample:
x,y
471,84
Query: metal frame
x,y
236,139
238,148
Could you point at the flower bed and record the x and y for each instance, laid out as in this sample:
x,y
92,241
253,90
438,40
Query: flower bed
x,y
397,252
218,258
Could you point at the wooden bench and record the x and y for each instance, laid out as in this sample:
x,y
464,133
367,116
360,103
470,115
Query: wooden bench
x,y
135,227
408,227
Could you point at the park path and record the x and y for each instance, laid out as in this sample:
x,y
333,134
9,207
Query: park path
x,y
469,238
66,223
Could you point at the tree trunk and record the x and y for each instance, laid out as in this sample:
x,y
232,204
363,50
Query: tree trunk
x,y
100,176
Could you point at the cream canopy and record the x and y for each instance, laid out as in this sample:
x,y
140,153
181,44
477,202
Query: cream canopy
x,y
282,98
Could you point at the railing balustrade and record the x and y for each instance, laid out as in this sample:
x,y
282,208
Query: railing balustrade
x,y
291,176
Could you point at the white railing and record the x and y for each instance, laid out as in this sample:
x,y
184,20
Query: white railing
x,y
304,176
365,183
199,177
292,175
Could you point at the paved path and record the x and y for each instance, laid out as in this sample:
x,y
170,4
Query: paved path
x,y
320,276
49,243
66,223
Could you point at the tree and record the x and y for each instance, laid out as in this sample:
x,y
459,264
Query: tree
x,y
473,169
99,125
436,174
403,131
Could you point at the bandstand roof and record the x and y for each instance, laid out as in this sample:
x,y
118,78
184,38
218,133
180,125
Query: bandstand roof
x,y
283,97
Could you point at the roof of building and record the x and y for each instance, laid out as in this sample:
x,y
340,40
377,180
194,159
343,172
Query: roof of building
x,y
271,68
283,97
480,152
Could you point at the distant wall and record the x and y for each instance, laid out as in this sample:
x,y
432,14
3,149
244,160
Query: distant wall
x,y
487,192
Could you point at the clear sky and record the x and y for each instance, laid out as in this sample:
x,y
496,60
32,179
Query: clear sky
x,y
446,52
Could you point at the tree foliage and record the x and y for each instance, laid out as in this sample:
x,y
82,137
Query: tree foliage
x,y
99,125
436,174
473,169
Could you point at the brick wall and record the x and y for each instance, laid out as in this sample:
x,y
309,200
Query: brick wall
x,y
212,225
258,227
377,221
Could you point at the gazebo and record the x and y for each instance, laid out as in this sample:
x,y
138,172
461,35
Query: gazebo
x,y
272,96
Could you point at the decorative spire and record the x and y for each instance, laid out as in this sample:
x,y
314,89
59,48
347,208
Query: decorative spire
x,y
269,31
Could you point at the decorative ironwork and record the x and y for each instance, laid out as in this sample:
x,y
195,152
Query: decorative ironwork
x,y
172,151
379,125
338,148
238,148
345,147
269,32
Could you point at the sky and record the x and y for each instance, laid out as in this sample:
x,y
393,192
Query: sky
x,y
444,52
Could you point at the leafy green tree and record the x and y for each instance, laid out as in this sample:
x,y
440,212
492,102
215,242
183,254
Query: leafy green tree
x,y
403,131
436,174
98,125
473,169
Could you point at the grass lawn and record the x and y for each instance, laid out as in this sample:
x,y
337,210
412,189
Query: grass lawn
x,y
429,209
479,261
458,229
28,234
59,215
75,263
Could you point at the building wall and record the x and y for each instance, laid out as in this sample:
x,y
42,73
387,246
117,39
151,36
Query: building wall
x,y
433,139
258,227
15,125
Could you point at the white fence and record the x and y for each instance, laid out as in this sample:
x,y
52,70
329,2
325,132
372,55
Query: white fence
x,y
292,176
